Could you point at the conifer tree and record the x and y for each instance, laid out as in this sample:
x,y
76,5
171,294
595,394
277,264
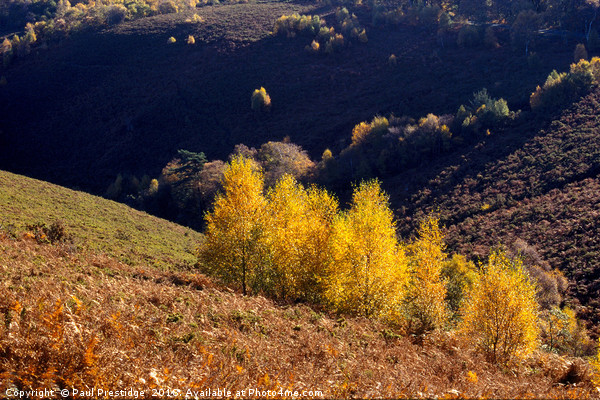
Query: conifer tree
x,y
501,312
368,272
235,248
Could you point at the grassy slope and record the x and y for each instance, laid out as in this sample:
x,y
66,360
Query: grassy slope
x,y
126,100
83,319
523,182
96,224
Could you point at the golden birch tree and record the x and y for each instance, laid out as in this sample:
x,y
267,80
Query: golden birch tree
x,y
368,271
501,312
235,248
425,303
299,229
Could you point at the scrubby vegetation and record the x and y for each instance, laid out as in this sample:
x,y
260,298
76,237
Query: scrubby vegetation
x,y
292,25
389,145
563,88
382,266
80,319
294,244
324,37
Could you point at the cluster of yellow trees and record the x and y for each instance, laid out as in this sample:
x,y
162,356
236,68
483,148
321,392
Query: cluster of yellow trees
x,y
324,37
561,88
292,242
17,46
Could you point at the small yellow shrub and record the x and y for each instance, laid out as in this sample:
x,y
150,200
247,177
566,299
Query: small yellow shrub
x,y
195,19
315,46
392,60
260,101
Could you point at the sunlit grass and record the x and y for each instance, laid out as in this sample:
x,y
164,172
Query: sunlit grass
x,y
95,223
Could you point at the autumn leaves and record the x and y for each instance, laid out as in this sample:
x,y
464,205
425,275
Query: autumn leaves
x,y
294,243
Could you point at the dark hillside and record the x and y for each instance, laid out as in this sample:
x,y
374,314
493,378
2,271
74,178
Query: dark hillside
x,y
123,100
537,185
562,225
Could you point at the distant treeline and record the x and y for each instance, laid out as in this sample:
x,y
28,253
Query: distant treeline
x,y
51,19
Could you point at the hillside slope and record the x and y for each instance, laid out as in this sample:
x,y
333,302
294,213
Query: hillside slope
x,y
524,183
94,223
123,100
79,319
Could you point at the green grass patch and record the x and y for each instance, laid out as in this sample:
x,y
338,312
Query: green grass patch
x,y
95,223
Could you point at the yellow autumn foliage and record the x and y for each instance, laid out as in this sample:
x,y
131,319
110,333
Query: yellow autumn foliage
x,y
426,298
368,271
559,328
299,227
235,247
360,132
327,155
260,100
294,244
377,127
501,312
596,368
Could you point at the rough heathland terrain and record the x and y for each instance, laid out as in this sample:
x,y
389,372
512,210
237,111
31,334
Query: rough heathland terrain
x,y
79,318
